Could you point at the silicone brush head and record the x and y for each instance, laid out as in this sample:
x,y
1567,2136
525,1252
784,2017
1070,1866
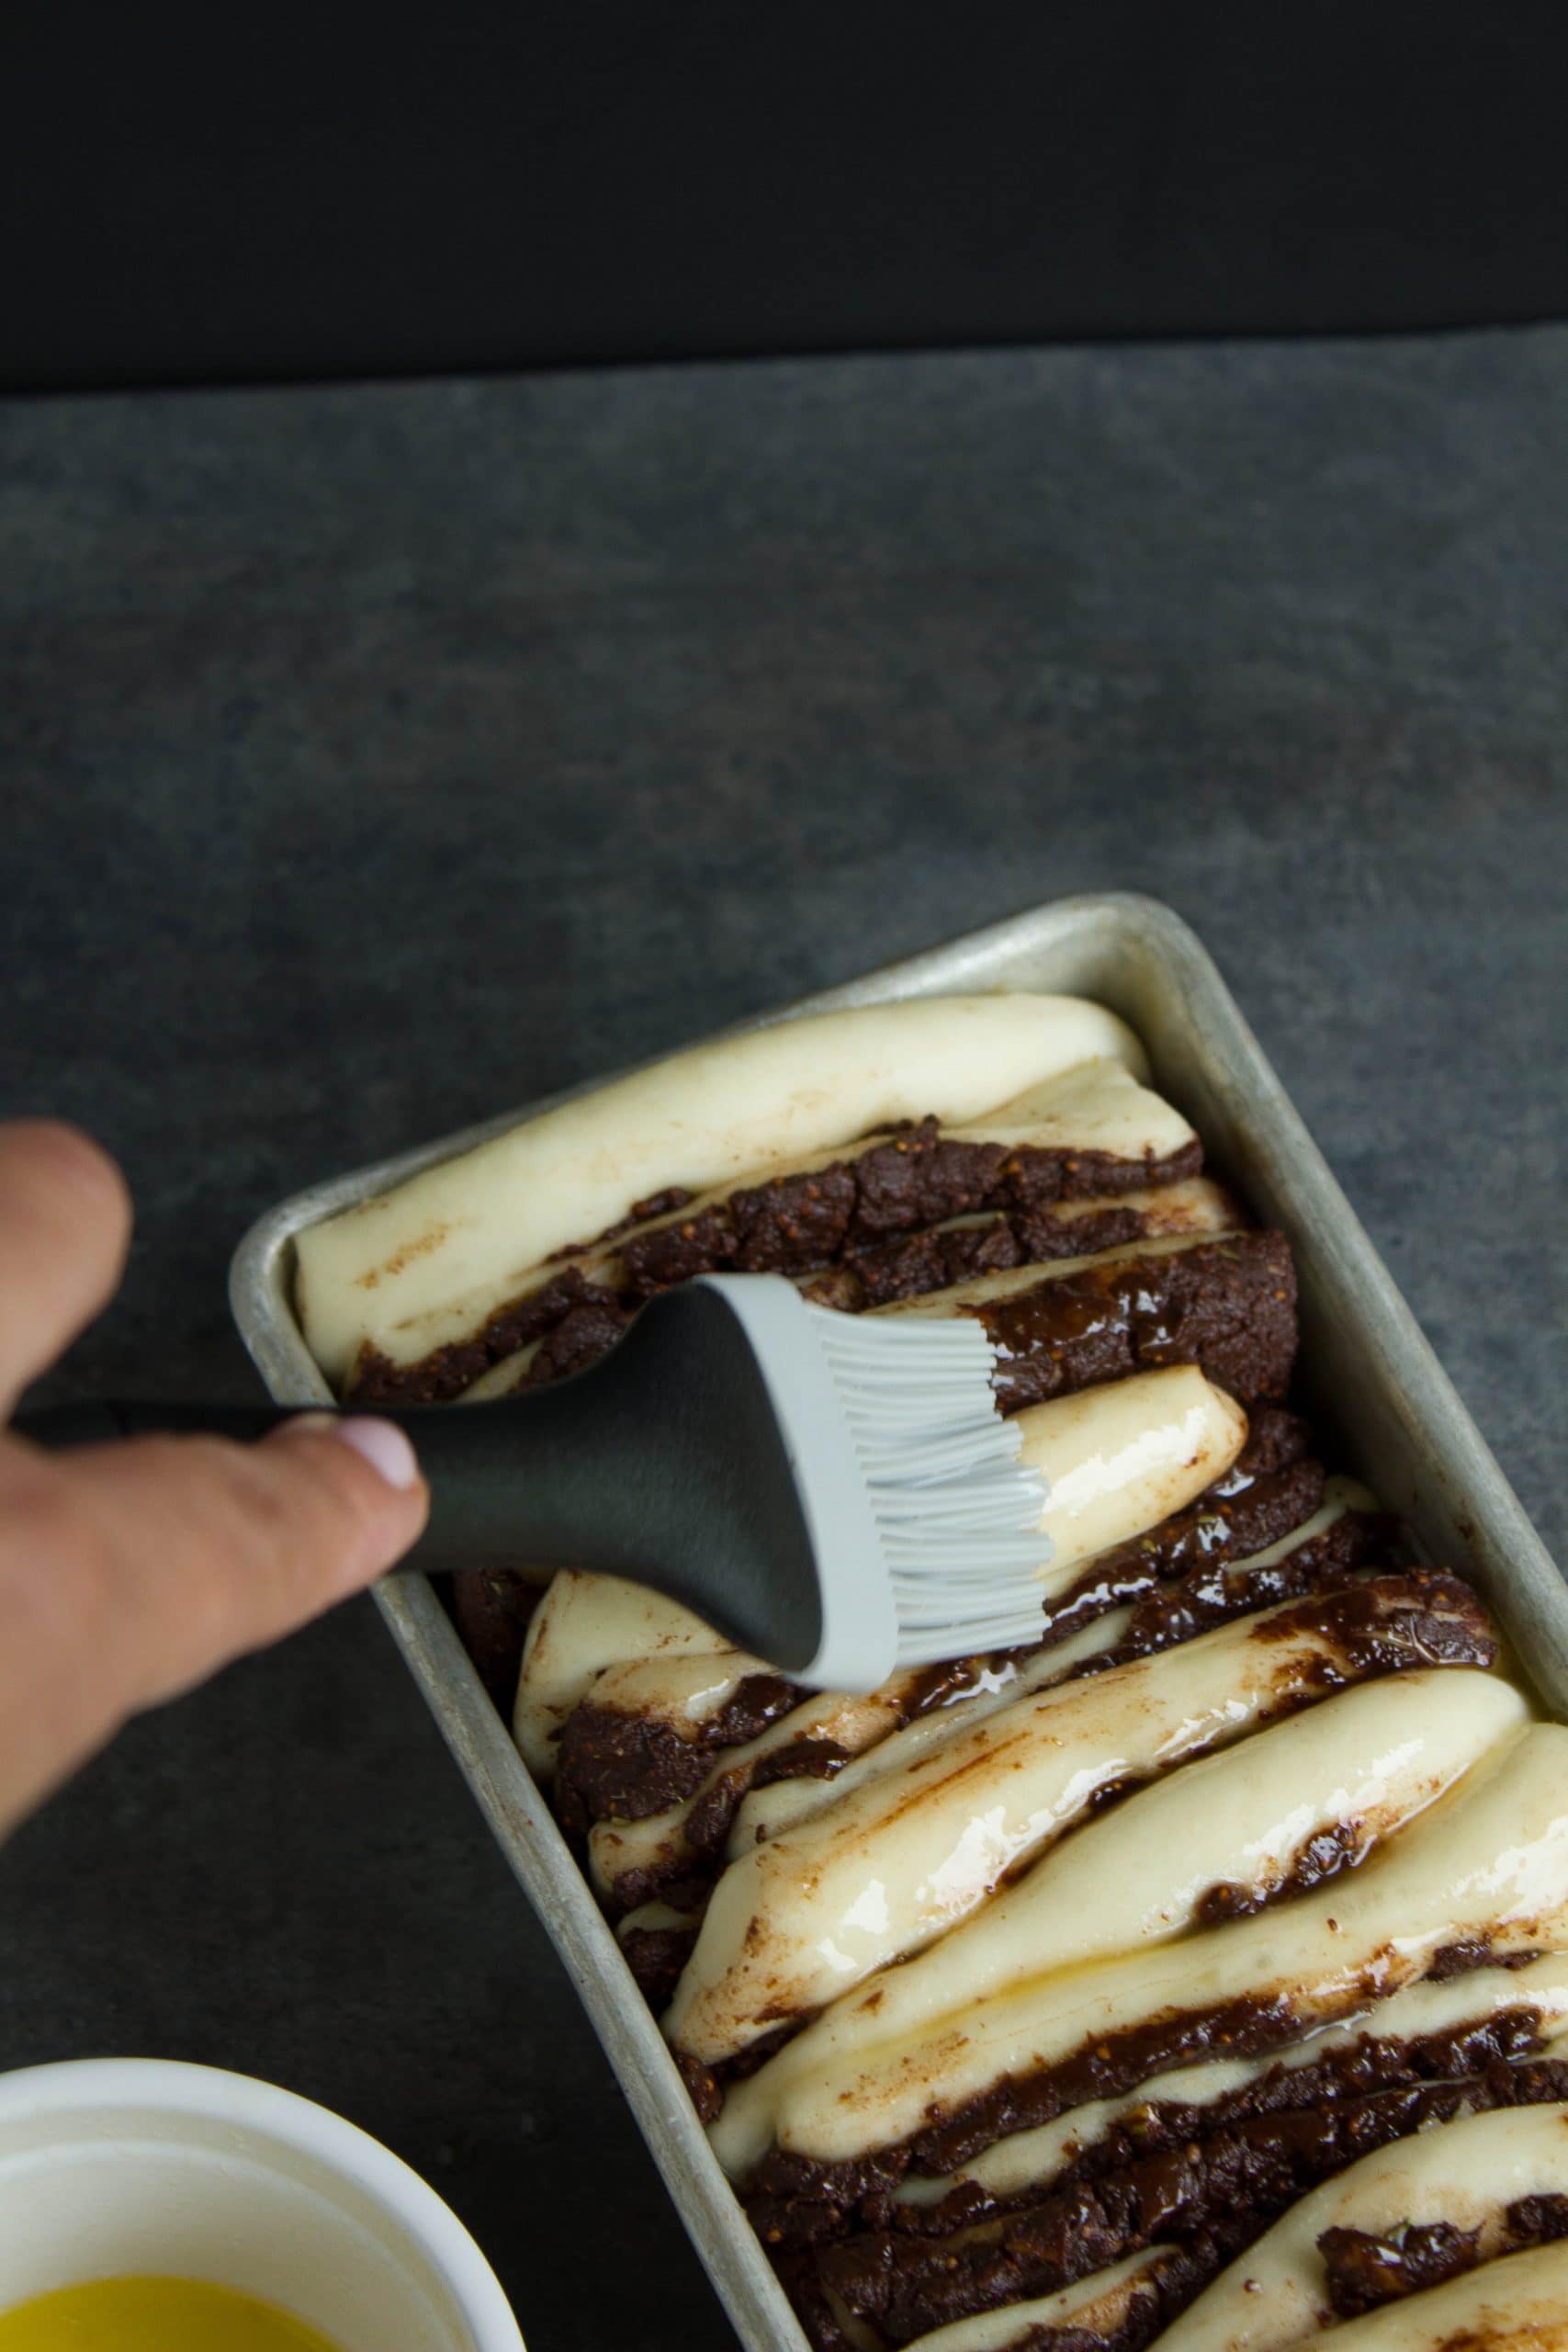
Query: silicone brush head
x,y
922,1523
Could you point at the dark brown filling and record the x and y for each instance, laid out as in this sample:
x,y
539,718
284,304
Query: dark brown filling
x,y
918,1177
655,1957
375,1379
1273,1486
1418,1617
794,2201
1364,2269
790,1224
1325,1856
615,1765
492,1608
1146,2311
1212,1594
920,1262
1229,1305
700,1858
657,1205
1215,2192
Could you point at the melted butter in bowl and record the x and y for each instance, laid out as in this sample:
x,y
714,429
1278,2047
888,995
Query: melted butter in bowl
x,y
154,2315
144,2203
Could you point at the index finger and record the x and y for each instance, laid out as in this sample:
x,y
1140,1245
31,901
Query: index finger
x,y
128,1571
64,1226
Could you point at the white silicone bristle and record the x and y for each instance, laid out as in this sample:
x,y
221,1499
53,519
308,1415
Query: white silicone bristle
x,y
924,1523
956,1514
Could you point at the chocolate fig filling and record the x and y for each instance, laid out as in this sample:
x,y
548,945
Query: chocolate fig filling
x,y
1212,1594
655,1957
1321,1859
491,1609
447,1371
793,1225
1274,1486
793,2201
790,1224
617,1766
614,1765
1218,2192
1229,1305
919,1262
1366,2269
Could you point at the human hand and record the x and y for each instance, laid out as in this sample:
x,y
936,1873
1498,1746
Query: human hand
x,y
128,1572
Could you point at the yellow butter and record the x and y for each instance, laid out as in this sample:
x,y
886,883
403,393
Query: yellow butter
x,y
153,2315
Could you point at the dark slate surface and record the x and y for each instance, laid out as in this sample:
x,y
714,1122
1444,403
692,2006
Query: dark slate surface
x,y
374,758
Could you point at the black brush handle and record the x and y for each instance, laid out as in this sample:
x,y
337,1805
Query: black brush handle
x,y
548,1478
96,1422
663,1462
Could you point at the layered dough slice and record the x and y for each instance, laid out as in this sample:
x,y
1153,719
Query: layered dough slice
x,y
1340,1536
631,1860
1116,2306
647,1735
1483,1871
586,1624
825,1747
1448,2026
1442,2241
1451,2195
1229,1305
433,1257
956,1249
1117,1460
883,1870
808,1213
1281,1811
828,1745
770,1151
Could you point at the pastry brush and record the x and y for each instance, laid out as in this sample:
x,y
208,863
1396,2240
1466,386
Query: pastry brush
x,y
836,1494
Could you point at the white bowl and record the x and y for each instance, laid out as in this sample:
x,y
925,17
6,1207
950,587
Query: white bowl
x,y
131,2164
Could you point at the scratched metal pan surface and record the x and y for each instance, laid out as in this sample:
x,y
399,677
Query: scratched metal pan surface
x,y
1368,1372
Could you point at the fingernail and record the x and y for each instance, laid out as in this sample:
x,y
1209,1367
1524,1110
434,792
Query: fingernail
x,y
383,1445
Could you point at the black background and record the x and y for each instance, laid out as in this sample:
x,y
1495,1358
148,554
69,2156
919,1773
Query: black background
x,y
271,193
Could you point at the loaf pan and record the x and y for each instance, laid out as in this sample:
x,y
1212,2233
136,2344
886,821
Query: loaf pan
x,y
1386,1407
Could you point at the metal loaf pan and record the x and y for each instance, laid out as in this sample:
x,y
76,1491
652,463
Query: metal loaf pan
x,y
1388,1408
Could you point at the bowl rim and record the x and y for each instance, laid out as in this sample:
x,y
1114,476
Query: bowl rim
x,y
212,2094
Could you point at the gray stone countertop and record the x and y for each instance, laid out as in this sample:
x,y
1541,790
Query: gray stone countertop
x,y
372,758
